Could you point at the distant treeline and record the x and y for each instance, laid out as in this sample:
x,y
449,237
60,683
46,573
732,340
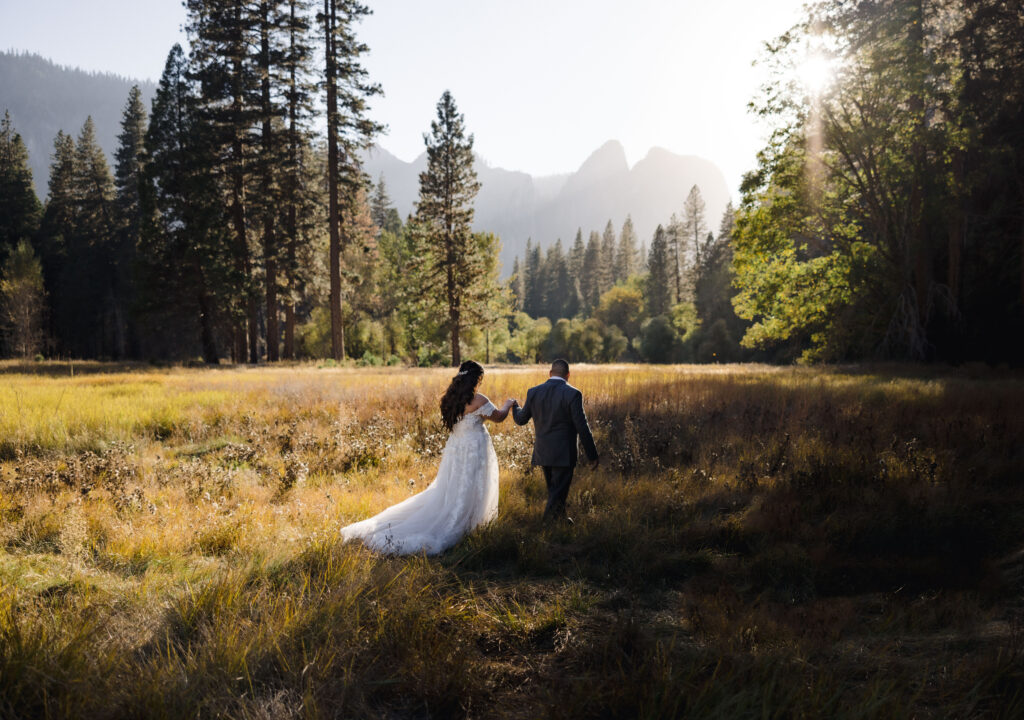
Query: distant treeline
x,y
41,94
884,219
228,229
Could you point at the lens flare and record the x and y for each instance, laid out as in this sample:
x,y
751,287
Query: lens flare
x,y
816,73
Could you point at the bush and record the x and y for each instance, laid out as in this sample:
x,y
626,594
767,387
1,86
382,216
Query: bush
x,y
659,340
716,344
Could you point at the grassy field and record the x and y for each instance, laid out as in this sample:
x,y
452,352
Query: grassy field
x,y
758,542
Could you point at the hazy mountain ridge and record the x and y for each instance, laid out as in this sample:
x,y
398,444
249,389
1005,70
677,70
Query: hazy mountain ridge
x,y
517,206
44,97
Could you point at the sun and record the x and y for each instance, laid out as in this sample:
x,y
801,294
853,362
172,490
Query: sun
x,y
816,73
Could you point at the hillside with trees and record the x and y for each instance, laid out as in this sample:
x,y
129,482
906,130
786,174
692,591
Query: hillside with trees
x,y
44,97
882,219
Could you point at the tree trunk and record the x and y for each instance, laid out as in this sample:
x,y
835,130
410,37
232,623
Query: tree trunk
x,y
242,260
292,219
337,336
238,345
1022,264
269,249
453,300
254,328
289,331
456,354
922,261
956,227
210,354
273,330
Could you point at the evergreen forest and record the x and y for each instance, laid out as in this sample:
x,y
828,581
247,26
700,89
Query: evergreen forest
x,y
883,219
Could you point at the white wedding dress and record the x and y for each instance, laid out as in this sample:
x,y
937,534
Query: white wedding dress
x,y
462,496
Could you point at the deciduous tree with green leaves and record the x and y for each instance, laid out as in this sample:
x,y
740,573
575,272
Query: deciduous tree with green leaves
x,y
22,301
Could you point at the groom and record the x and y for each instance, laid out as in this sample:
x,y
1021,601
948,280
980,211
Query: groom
x,y
557,411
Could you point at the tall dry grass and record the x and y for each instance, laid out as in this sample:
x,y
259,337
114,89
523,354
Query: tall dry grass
x,y
781,542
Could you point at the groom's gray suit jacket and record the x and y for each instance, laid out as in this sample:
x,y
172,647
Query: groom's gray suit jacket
x,y
558,418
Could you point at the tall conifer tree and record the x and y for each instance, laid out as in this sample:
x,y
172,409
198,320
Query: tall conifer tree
x,y
590,275
695,231
19,206
348,131
447,189
221,35
95,325
58,229
675,238
575,264
296,190
607,264
130,160
186,258
659,280
626,254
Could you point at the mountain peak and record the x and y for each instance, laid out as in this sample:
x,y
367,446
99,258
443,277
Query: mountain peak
x,y
606,162
608,159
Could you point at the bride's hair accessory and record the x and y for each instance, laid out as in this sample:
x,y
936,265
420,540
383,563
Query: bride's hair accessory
x,y
462,372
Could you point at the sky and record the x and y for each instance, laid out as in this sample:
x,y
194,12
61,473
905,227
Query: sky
x,y
542,83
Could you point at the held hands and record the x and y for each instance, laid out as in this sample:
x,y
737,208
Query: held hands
x,y
508,404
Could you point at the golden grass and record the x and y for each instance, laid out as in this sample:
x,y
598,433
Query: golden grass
x,y
757,540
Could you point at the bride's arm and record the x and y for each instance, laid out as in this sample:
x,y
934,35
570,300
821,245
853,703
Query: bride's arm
x,y
502,412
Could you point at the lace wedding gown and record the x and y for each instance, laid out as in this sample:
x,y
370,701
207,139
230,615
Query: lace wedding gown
x,y
463,495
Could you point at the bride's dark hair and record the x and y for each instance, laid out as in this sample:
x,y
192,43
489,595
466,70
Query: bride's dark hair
x,y
460,392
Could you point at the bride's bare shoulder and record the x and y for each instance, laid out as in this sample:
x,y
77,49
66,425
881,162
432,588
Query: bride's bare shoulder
x,y
476,403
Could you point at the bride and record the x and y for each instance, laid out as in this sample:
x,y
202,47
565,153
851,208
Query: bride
x,y
465,492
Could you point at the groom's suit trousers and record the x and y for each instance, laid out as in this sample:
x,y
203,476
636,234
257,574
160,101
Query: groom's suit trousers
x,y
558,480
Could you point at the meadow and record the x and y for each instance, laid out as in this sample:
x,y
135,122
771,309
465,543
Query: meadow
x,y
758,542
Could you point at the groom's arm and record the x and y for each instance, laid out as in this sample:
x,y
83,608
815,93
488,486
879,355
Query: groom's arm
x,y
579,419
522,415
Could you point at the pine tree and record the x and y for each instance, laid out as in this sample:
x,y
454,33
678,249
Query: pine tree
x,y
270,19
713,290
626,260
659,280
347,86
93,188
447,190
186,262
58,229
675,237
19,206
221,34
560,295
380,204
695,231
533,281
130,160
575,265
489,303
515,284
59,216
94,327
607,262
296,191
590,274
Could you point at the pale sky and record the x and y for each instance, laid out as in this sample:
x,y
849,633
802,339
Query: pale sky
x,y
542,83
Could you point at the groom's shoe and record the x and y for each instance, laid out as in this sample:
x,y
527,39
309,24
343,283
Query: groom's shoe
x,y
558,519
